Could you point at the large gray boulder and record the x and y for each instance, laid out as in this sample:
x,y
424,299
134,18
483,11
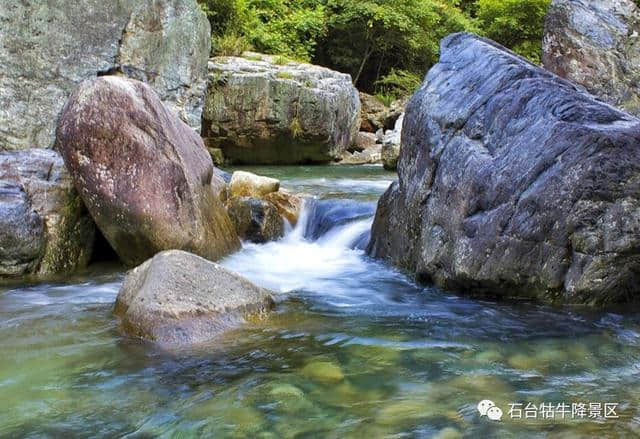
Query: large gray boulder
x,y
513,182
265,110
596,44
48,47
178,298
44,227
145,176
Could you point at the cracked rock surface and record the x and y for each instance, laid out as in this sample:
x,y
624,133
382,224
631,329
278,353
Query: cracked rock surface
x,y
44,227
596,44
263,109
513,182
47,48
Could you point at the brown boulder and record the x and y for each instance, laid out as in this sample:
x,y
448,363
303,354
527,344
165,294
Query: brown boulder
x,y
372,113
255,220
144,175
288,204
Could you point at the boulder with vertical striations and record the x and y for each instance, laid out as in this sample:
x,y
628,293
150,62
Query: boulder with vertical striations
x,y
44,226
596,44
513,182
263,109
48,47
145,176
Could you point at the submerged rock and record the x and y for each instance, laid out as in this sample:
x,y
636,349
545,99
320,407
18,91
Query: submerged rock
x,y
48,48
144,175
596,44
266,110
513,182
179,298
324,215
323,371
246,184
255,220
44,227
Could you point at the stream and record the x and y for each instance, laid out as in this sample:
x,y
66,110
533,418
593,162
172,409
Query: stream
x,y
354,349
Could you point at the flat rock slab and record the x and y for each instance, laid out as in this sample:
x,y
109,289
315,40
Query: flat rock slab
x,y
177,298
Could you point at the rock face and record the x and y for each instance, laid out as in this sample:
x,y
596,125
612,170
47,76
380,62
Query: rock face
x,y
44,227
47,48
263,110
513,182
178,298
289,205
391,146
364,141
370,155
596,44
373,113
144,175
255,220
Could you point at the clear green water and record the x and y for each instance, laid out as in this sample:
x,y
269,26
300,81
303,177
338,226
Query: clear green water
x,y
355,349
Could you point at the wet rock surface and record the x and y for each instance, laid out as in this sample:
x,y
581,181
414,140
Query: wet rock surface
x,y
513,182
255,220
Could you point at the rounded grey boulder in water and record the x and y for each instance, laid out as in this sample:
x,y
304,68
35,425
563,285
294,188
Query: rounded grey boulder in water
x,y
514,182
178,298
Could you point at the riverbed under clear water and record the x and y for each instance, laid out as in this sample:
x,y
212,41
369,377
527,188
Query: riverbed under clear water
x,y
355,349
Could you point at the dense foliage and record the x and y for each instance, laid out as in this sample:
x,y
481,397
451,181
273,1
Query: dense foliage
x,y
386,45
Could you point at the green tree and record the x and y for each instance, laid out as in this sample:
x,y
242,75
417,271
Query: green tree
x,y
287,27
516,24
369,38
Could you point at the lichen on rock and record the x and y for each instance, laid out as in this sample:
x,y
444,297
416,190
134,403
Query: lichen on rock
x,y
265,112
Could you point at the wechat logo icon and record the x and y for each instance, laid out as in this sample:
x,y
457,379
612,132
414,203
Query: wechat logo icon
x,y
488,408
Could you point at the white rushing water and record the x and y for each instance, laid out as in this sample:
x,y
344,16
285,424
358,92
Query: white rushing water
x,y
297,262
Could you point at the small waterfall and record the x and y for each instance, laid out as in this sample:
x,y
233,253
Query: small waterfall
x,y
327,241
336,218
